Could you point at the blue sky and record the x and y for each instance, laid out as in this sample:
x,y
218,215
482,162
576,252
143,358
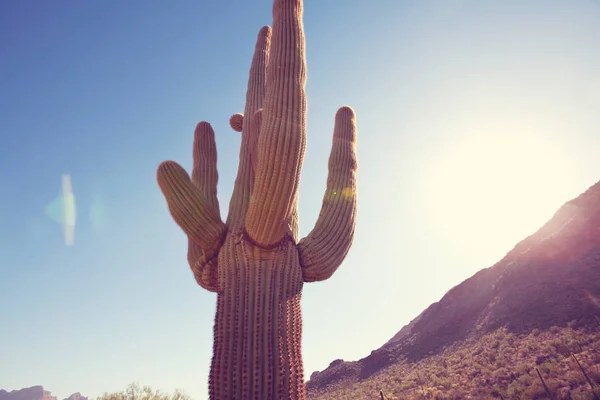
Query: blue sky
x,y
476,121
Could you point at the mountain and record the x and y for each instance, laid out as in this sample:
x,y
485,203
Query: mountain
x,y
550,279
35,393
76,396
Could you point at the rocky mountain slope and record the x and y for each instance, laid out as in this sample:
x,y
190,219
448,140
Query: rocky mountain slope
x,y
549,279
35,393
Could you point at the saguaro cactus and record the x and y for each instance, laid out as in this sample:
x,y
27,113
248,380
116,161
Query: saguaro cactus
x,y
254,261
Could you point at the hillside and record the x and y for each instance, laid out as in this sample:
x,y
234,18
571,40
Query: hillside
x,y
548,280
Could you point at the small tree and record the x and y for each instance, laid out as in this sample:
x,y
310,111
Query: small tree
x,y
135,392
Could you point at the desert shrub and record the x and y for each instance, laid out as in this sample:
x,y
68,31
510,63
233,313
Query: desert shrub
x,y
475,370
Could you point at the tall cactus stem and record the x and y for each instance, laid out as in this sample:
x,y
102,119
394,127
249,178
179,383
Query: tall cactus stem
x,y
254,260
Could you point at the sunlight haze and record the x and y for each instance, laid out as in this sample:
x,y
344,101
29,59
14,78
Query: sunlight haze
x,y
476,121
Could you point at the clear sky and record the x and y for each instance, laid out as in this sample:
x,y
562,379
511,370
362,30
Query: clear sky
x,y
476,121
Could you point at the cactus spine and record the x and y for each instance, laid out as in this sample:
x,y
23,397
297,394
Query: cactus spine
x,y
255,262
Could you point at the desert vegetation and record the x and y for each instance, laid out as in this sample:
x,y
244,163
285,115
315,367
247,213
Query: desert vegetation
x,y
496,365
135,391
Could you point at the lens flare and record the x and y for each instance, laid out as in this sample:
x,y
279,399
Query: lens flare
x,y
62,210
592,299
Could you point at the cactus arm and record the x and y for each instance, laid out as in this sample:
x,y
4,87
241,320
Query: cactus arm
x,y
255,125
205,177
254,130
194,206
326,246
255,94
204,170
282,139
204,266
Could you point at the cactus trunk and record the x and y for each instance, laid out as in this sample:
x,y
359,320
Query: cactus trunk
x,y
258,326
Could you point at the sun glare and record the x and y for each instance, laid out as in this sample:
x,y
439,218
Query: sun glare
x,y
496,190
62,210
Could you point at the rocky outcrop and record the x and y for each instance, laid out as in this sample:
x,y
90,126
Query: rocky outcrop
x,y
35,393
31,393
76,396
